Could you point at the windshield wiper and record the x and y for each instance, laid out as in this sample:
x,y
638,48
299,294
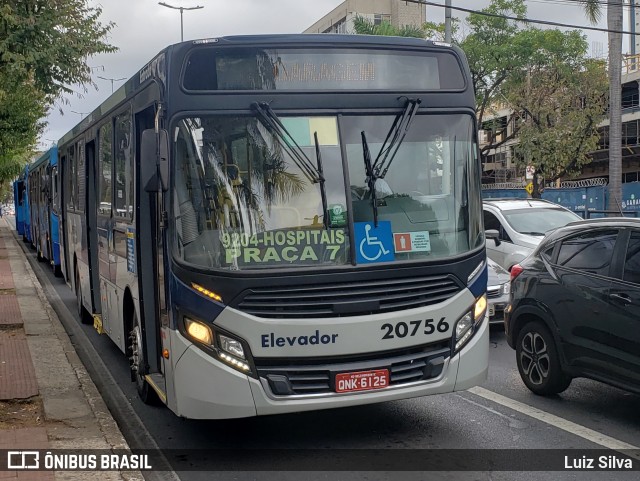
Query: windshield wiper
x,y
323,191
397,133
378,169
270,120
533,233
371,177
315,174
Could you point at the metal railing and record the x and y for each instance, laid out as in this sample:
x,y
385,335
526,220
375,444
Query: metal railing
x,y
588,214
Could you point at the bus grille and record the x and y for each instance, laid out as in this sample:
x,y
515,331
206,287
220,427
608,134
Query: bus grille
x,y
291,377
347,298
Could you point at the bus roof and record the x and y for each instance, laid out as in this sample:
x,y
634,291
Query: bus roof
x,y
48,156
267,40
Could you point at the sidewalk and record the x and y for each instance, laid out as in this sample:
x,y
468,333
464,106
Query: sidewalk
x,y
47,399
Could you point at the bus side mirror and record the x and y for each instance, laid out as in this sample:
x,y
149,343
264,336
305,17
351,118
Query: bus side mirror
x,y
154,171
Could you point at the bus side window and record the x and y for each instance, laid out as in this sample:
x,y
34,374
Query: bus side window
x,y
80,173
105,158
123,200
71,178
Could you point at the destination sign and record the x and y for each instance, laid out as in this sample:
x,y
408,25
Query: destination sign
x,y
284,247
213,68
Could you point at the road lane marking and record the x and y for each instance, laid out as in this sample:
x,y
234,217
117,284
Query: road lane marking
x,y
558,422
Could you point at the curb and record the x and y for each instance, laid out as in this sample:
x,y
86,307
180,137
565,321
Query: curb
x,y
104,396
100,414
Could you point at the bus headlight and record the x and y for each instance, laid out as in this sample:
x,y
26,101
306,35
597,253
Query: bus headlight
x,y
198,331
224,347
480,308
231,352
231,346
464,330
468,324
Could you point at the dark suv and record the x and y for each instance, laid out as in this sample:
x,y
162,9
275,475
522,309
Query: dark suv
x,y
574,309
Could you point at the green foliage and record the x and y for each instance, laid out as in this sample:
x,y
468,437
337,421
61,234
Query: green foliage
x,y
593,10
495,48
44,46
436,31
561,111
364,26
47,42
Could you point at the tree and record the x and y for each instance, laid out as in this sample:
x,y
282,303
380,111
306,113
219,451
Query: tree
x,y
561,98
614,25
364,26
44,47
496,48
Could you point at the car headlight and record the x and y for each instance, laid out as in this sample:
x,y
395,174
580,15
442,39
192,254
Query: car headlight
x,y
468,324
227,349
506,288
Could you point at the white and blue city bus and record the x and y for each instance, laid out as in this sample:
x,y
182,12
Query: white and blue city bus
x,y
270,224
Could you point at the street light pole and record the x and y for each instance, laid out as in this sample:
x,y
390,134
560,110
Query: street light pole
x,y
82,114
447,21
112,80
182,9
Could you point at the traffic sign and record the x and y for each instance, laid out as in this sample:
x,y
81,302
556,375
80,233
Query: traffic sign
x,y
529,188
528,173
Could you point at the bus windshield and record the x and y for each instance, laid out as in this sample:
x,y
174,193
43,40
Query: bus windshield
x,y
247,198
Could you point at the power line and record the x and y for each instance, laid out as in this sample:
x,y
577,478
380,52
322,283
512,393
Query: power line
x,y
578,3
524,20
600,2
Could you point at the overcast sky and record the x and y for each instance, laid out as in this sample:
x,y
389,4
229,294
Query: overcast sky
x,y
143,28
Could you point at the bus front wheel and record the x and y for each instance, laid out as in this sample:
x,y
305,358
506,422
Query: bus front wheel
x,y
84,315
137,360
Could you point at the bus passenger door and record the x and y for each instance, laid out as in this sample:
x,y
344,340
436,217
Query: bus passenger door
x,y
104,218
62,227
151,265
92,225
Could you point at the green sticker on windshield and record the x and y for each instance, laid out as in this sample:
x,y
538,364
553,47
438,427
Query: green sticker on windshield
x,y
337,215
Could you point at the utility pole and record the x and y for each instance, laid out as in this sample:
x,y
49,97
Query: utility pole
x,y
112,80
447,21
182,9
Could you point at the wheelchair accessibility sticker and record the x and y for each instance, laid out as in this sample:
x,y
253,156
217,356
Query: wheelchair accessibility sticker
x,y
374,244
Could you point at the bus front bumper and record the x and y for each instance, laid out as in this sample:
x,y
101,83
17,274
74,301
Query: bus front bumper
x,y
207,389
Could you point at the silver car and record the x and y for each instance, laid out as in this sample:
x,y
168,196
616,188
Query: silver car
x,y
498,286
515,227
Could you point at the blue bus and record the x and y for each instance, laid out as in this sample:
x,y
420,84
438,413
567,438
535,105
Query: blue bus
x,y
44,207
280,223
19,200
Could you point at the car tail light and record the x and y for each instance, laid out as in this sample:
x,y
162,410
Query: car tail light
x,y
516,271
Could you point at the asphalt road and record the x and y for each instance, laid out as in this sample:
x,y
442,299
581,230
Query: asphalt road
x,y
589,415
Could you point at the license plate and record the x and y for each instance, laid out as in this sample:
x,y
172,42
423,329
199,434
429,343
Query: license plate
x,y
492,311
362,381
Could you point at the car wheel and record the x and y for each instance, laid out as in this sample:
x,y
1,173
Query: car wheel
x,y
538,360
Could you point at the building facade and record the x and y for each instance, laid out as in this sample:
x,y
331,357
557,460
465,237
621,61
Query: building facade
x,y
397,12
500,165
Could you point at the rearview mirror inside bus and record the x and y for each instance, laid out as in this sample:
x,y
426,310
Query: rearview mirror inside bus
x,y
149,161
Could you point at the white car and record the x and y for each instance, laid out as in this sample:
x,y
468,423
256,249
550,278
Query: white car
x,y
515,227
